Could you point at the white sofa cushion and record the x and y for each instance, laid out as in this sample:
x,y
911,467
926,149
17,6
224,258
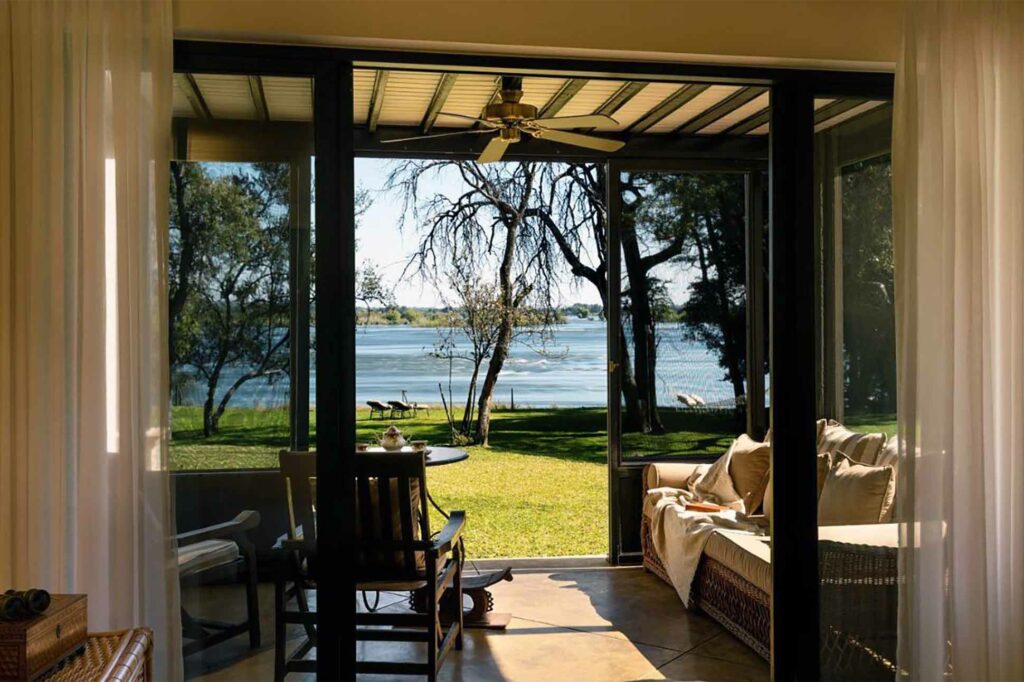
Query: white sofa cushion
x,y
750,556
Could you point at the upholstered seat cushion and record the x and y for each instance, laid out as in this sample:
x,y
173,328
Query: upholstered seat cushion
x,y
750,556
200,556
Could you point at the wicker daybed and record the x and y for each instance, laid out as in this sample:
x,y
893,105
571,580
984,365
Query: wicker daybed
x,y
857,575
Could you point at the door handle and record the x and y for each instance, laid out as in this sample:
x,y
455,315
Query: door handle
x,y
612,366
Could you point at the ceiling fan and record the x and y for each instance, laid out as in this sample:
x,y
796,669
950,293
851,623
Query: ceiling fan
x,y
510,119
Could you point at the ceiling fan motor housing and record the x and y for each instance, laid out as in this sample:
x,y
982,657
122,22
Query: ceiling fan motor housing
x,y
510,109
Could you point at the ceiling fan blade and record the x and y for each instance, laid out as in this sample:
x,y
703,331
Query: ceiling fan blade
x,y
588,141
588,121
494,150
427,137
484,121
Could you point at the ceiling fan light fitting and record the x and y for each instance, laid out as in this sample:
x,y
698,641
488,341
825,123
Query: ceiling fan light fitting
x,y
511,134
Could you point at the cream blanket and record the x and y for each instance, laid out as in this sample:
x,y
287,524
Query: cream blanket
x,y
679,535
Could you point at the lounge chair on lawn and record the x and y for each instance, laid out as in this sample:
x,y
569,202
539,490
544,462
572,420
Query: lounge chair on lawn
x,y
401,408
377,407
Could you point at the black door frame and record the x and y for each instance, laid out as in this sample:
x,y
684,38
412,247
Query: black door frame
x,y
625,487
794,624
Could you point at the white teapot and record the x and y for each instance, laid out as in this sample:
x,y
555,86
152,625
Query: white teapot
x,y
392,439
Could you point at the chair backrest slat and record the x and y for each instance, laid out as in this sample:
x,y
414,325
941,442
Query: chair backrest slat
x,y
298,471
405,505
393,523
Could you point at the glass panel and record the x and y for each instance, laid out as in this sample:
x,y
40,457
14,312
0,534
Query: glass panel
x,y
448,345
683,246
868,301
857,477
239,307
229,311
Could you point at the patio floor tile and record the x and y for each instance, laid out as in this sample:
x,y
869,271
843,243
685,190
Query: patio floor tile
x,y
593,624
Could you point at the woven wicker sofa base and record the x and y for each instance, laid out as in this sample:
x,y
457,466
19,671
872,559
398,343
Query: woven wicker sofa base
x,y
740,607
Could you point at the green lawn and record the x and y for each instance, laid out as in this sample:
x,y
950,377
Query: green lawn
x,y
872,423
540,489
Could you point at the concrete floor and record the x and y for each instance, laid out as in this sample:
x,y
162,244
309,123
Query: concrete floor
x,y
592,624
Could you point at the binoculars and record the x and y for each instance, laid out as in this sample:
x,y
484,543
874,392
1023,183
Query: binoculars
x,y
23,604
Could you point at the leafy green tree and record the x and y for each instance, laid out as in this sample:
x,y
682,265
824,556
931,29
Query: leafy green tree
x,y
229,302
706,210
373,291
869,339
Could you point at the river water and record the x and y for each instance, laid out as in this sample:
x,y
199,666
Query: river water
x,y
569,371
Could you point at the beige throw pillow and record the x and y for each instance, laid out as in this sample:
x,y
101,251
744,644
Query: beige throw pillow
x,y
856,493
860,447
748,469
823,462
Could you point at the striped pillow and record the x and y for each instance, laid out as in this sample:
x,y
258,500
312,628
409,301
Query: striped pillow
x,y
860,447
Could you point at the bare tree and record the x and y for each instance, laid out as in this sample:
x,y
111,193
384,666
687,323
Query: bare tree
x,y
477,317
576,215
484,232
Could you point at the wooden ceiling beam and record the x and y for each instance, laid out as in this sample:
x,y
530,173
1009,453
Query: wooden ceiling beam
x,y
618,100
667,106
377,99
749,123
562,97
259,99
444,88
720,110
833,109
187,83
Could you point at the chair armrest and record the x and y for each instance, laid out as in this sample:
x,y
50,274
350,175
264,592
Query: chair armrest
x,y
238,526
667,474
446,539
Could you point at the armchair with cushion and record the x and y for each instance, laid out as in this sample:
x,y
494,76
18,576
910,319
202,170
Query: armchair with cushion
x,y
215,554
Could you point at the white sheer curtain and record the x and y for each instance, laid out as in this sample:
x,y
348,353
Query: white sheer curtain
x,y
959,204
84,144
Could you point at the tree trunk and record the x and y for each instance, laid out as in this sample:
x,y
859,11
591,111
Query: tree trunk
x,y
467,413
504,339
647,418
733,348
186,263
209,422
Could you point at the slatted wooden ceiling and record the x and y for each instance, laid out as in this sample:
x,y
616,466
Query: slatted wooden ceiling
x,y
416,99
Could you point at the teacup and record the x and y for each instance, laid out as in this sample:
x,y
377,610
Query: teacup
x,y
419,445
362,447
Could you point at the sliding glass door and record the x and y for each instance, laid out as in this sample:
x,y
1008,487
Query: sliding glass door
x,y
688,238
